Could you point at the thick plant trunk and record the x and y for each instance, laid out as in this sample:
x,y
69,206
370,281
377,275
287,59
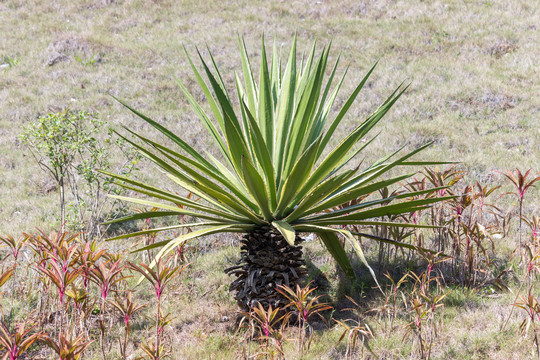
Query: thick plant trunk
x,y
266,261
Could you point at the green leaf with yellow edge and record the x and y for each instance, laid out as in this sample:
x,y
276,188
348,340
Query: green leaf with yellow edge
x,y
286,230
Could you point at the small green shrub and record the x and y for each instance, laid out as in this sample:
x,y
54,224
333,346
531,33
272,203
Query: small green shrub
x,y
72,146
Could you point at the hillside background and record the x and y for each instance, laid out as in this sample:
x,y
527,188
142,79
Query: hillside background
x,y
472,65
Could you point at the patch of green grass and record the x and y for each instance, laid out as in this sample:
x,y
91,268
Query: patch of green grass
x,y
459,297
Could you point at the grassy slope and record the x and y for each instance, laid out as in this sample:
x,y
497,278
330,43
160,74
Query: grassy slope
x,y
476,101
474,86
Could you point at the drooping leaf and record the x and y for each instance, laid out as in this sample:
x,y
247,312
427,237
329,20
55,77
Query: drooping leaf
x,y
286,230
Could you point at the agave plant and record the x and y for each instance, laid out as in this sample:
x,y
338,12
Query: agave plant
x,y
276,176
